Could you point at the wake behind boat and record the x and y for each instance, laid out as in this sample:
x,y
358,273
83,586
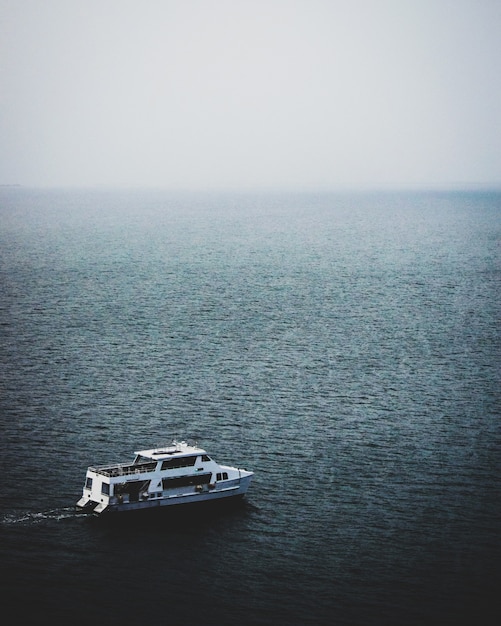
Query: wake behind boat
x,y
172,475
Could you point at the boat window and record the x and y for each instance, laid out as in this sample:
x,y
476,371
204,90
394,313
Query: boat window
x,y
186,481
105,489
132,487
222,476
182,461
205,458
141,459
88,482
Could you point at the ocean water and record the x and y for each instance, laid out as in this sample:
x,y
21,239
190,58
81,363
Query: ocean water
x,y
345,347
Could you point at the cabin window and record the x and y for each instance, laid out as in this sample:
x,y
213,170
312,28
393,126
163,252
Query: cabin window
x,y
133,488
145,465
186,481
88,482
222,476
140,459
205,458
105,489
183,461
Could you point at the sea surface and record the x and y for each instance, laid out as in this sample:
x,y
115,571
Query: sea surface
x,y
344,347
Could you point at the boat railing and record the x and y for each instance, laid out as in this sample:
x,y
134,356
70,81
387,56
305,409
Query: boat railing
x,y
124,470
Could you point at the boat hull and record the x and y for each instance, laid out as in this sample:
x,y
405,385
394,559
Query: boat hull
x,y
174,502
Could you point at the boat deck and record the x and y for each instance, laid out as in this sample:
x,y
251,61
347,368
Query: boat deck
x,y
114,471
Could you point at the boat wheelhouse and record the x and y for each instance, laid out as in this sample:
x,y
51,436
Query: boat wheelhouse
x,y
171,475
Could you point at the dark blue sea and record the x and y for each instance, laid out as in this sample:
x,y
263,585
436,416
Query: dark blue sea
x,y
344,347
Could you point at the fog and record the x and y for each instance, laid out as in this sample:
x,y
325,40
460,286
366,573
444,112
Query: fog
x,y
241,94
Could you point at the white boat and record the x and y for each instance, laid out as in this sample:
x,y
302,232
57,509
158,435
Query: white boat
x,y
172,475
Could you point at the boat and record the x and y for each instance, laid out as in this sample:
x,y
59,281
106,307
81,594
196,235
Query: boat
x,y
173,475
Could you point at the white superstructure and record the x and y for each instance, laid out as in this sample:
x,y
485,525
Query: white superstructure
x,y
171,475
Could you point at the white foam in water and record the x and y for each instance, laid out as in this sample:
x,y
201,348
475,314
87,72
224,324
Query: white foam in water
x,y
53,514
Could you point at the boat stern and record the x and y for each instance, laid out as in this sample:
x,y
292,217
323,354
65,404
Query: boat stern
x,y
95,494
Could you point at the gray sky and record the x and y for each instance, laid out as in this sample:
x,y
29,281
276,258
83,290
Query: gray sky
x,y
250,93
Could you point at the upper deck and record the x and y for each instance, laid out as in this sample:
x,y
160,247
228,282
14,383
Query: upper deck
x,y
147,460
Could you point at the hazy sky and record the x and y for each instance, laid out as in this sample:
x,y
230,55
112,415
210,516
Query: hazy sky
x,y
250,93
